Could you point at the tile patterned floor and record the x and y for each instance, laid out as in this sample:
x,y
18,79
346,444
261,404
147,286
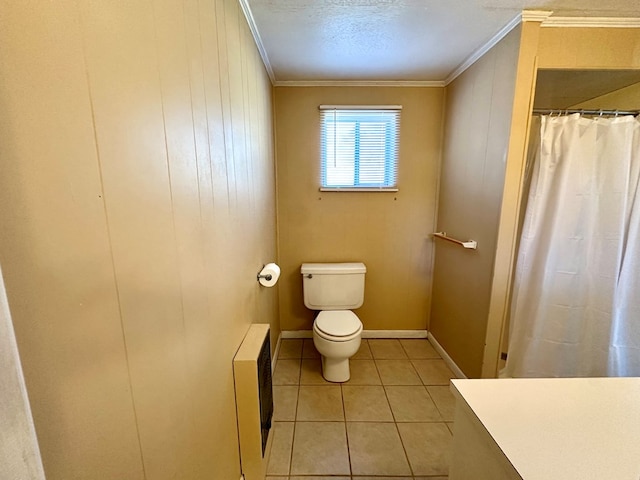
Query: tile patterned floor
x,y
390,421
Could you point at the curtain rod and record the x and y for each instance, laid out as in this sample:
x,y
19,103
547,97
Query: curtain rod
x,y
567,111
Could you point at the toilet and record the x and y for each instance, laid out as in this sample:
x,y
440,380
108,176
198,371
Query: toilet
x,y
335,289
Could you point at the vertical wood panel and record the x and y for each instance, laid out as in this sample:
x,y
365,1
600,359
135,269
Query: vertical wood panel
x,y
224,79
183,171
55,251
235,99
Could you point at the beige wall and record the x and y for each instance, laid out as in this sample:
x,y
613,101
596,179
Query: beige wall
x,y
137,203
389,232
477,125
592,48
627,98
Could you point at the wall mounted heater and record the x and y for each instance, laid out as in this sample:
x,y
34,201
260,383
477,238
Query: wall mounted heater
x,y
254,401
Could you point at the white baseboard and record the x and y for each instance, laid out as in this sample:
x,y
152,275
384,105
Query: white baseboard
x,y
445,356
394,334
365,334
297,334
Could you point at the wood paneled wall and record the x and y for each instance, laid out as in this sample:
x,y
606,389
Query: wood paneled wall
x,y
137,203
476,139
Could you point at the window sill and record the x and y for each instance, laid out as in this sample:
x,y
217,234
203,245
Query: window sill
x,y
353,189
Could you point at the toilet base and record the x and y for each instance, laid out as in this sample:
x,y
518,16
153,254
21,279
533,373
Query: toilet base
x,y
335,356
335,369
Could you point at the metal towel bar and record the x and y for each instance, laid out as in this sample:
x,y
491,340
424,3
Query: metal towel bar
x,y
472,244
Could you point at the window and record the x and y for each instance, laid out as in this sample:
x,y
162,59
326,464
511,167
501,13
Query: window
x,y
359,147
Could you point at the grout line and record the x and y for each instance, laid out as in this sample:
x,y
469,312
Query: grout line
x,y
406,455
449,427
346,432
295,423
393,415
405,350
395,422
417,373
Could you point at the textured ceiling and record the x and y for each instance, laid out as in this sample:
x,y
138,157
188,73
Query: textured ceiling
x,y
399,40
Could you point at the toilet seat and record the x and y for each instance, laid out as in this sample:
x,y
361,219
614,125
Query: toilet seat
x,y
337,325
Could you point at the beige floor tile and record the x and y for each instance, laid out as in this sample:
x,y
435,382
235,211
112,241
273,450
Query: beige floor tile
x,y
428,446
412,404
320,448
444,400
364,352
418,348
433,372
320,403
387,349
290,348
429,478
375,449
277,478
285,400
309,349
363,372
366,404
397,372
287,372
312,372
280,458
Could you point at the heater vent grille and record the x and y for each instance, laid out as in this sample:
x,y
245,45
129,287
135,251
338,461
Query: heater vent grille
x,y
265,391
254,400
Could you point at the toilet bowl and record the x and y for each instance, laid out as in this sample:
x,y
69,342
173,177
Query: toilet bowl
x,y
334,289
337,335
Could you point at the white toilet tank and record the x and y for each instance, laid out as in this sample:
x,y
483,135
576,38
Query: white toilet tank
x,y
333,286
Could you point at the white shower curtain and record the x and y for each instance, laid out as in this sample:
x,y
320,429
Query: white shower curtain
x,y
576,299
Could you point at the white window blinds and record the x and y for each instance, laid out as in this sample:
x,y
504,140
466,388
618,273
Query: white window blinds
x,y
359,147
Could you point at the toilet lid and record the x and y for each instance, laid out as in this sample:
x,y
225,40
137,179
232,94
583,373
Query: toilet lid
x,y
338,323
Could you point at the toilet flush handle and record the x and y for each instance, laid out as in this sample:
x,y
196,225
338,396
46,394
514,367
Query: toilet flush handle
x,y
309,276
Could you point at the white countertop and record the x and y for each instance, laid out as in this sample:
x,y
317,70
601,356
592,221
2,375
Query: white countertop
x,y
565,429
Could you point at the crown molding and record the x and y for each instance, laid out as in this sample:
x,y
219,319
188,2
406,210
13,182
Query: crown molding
x,y
592,22
524,16
359,83
535,15
478,53
244,4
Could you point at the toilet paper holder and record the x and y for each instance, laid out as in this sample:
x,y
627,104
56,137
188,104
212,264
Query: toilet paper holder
x,y
268,276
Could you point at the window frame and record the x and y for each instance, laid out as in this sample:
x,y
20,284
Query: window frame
x,y
391,146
